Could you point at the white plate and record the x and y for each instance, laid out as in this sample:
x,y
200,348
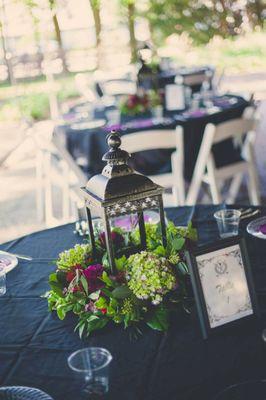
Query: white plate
x,y
253,227
9,261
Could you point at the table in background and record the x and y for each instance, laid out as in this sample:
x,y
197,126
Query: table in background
x,y
90,144
177,365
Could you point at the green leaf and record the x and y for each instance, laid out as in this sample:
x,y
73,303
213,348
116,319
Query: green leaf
x,y
84,283
61,277
106,292
97,323
126,321
61,312
192,232
178,243
113,303
159,320
105,278
53,277
121,292
101,303
110,310
68,307
92,318
77,308
81,329
105,261
182,268
57,288
120,262
94,295
160,251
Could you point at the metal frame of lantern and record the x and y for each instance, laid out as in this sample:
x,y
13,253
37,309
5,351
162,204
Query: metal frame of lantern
x,y
119,191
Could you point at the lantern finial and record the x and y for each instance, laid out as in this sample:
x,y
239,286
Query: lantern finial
x,y
113,140
115,155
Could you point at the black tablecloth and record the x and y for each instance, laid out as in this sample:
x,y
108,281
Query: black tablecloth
x,y
179,364
91,144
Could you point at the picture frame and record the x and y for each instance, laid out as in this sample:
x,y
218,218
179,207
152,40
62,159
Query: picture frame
x,y
175,97
222,284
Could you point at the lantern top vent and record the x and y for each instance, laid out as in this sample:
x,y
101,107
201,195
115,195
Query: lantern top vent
x,y
118,179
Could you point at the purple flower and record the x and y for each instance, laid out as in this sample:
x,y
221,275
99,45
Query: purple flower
x,y
90,307
262,229
92,274
116,238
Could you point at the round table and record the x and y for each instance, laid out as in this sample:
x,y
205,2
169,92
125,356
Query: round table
x,y
90,144
179,364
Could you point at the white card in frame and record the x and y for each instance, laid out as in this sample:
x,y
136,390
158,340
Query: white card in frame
x,y
222,284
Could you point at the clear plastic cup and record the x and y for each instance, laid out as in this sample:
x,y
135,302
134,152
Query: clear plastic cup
x,y
92,365
228,222
2,280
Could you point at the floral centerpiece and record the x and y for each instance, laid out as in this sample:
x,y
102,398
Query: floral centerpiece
x,y
135,104
140,103
148,286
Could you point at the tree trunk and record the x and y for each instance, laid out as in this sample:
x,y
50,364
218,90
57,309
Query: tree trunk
x,y
59,41
131,25
52,4
258,10
95,6
8,62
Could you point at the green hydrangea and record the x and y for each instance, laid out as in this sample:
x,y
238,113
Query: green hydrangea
x,y
149,276
153,235
174,258
78,255
128,306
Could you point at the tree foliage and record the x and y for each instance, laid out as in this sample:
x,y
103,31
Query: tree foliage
x,y
203,19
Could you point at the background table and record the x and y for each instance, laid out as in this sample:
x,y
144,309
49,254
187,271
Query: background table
x,y
179,364
90,144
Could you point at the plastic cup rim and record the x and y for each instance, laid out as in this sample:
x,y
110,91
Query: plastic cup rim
x,y
103,350
235,214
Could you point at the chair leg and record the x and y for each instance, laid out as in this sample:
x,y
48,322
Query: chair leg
x,y
253,186
200,166
194,189
65,193
48,190
215,192
39,185
180,190
234,188
253,182
177,160
212,180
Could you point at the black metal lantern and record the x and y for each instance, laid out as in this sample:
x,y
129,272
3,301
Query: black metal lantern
x,y
119,190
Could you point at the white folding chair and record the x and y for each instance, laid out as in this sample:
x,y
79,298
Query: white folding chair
x,y
162,139
242,130
55,167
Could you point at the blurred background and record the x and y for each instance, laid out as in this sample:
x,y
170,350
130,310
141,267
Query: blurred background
x,y
54,53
